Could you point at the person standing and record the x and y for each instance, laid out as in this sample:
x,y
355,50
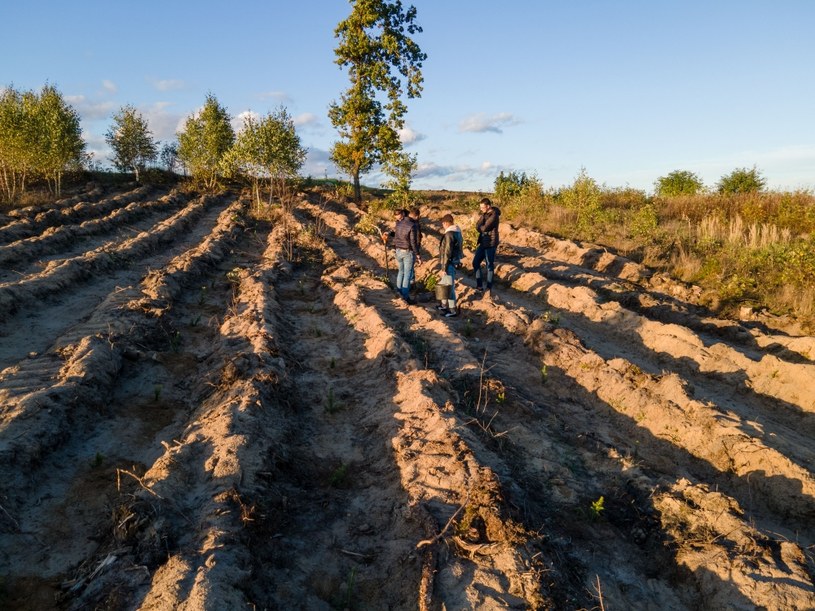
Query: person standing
x,y
406,243
487,227
414,215
450,250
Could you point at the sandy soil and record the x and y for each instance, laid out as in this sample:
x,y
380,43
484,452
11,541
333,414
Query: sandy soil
x,y
200,410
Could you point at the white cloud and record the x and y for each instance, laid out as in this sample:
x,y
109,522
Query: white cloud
x,y
408,136
109,86
481,123
238,120
168,84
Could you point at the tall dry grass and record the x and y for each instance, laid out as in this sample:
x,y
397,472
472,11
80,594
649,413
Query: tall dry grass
x,y
735,232
754,249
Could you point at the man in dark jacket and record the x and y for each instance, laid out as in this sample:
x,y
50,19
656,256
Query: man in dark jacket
x,y
406,243
450,249
487,227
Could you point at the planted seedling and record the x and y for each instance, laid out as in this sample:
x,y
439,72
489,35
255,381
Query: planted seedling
x,y
332,406
596,508
339,477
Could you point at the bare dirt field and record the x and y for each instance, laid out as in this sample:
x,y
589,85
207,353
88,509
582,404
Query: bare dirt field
x,y
203,410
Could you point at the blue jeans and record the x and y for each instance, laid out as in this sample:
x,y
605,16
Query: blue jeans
x,y
481,254
404,262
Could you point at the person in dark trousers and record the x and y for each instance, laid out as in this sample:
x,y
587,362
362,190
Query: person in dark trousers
x,y
450,250
487,227
406,243
414,216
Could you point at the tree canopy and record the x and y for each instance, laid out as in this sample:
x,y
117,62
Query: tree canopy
x,y
382,59
679,182
205,139
40,138
741,180
267,148
131,140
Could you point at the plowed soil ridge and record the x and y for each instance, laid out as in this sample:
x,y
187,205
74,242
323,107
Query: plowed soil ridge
x,y
35,220
222,411
74,235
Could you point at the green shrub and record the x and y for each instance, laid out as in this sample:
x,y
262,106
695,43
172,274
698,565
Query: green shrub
x,y
644,222
679,182
624,198
584,197
742,180
516,184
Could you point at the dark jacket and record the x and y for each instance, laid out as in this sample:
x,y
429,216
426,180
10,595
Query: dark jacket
x,y
406,235
450,245
487,227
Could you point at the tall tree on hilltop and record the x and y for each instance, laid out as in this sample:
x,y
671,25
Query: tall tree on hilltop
x,y
382,58
131,140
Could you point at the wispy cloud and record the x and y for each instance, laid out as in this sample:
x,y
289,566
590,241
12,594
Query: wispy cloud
x,y
279,96
97,147
786,167
306,119
90,110
458,172
109,87
168,84
318,164
482,123
163,122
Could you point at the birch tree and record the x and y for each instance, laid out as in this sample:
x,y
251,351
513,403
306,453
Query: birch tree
x,y
131,140
40,138
169,156
60,136
400,166
384,66
267,148
206,138
17,141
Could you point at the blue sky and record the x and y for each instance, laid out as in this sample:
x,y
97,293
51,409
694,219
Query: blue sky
x,y
630,90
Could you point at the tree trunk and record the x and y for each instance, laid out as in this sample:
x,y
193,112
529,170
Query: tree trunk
x,y
8,188
357,189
